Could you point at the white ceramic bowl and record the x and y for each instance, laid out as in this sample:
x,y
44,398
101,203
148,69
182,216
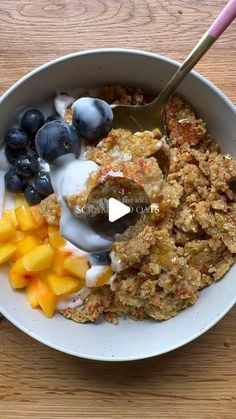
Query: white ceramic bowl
x,y
129,340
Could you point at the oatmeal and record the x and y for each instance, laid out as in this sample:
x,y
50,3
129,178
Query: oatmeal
x,y
190,243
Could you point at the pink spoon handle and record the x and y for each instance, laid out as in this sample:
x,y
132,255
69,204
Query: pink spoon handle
x,y
224,19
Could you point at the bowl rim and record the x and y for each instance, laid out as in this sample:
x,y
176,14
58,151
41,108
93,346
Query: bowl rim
x,y
127,51
205,81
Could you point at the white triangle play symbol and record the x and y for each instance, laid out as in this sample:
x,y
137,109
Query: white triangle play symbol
x,y
116,209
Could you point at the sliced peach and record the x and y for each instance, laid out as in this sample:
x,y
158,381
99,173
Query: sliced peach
x,y
19,236
55,238
7,229
57,266
20,200
76,265
18,276
39,258
39,294
10,215
25,245
61,285
32,293
25,218
104,277
42,232
47,300
39,219
6,252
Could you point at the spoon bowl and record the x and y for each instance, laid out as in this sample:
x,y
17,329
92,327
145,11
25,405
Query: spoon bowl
x,y
140,118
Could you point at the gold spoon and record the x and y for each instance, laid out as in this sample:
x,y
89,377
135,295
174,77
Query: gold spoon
x,y
150,116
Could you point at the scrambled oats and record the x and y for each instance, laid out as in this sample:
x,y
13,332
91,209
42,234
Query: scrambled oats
x,y
143,171
50,209
190,242
122,145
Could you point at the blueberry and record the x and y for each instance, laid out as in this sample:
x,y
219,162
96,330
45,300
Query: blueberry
x,y
101,257
52,117
92,118
32,196
16,138
27,165
31,121
12,154
43,184
55,139
14,182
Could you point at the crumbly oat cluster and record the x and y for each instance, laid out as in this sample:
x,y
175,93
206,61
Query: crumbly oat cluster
x,y
50,209
122,145
191,240
143,171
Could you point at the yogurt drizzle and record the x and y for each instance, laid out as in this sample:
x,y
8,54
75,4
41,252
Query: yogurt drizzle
x,y
69,176
62,102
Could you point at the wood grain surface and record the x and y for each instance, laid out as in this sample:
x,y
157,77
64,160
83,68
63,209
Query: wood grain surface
x,y
195,382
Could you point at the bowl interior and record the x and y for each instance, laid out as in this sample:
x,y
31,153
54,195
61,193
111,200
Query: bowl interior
x,y
139,339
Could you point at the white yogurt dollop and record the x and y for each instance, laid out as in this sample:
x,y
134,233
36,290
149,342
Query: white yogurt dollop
x,y
68,176
72,300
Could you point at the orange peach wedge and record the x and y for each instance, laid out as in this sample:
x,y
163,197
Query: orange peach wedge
x,y
18,276
76,265
61,285
39,258
39,294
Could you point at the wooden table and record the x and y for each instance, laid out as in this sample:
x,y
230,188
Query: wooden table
x,y
195,382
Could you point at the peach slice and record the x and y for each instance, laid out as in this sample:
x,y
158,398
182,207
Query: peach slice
x,y
60,255
47,301
61,285
20,200
104,277
25,218
18,276
76,265
19,236
25,245
39,258
6,252
10,215
7,229
39,219
32,293
39,294
55,239
41,232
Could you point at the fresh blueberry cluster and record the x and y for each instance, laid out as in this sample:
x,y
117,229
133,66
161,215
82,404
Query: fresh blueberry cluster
x,y
50,139
92,119
25,174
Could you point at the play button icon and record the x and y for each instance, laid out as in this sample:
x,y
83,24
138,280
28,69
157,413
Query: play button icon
x,y
117,210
